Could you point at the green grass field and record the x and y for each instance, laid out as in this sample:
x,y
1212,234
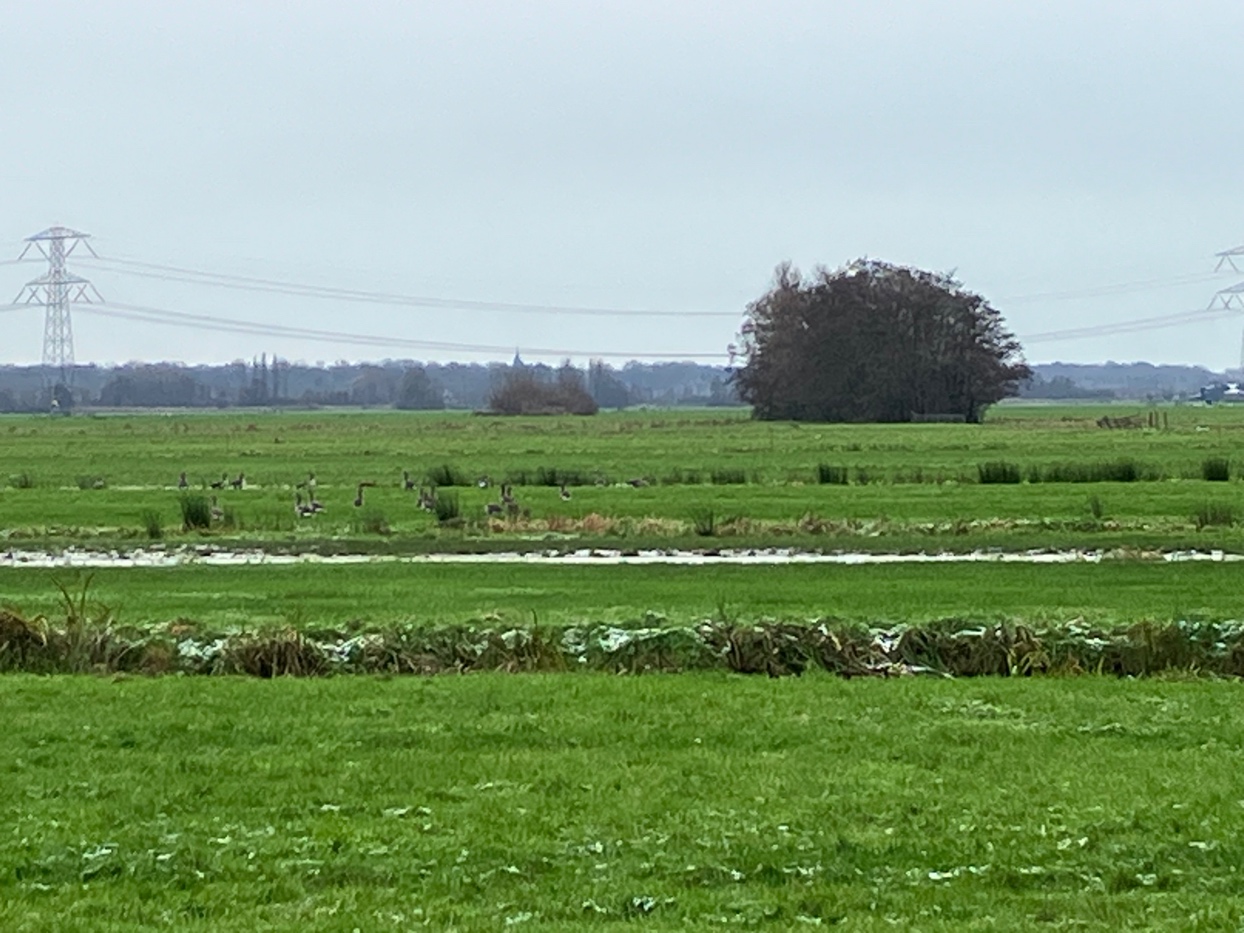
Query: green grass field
x,y
912,486
379,594
591,802
588,801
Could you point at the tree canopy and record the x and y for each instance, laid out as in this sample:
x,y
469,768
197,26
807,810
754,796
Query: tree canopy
x,y
873,342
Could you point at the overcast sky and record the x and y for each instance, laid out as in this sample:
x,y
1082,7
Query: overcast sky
x,y
660,156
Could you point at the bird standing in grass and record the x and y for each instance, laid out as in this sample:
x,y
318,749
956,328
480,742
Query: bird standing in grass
x,y
220,483
239,482
182,482
358,499
565,493
407,483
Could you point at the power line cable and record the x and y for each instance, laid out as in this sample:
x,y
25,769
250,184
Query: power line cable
x,y
308,290
1127,327
233,325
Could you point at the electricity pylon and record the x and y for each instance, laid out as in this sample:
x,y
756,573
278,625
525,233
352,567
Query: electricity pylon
x,y
56,290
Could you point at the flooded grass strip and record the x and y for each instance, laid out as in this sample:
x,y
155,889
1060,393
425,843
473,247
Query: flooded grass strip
x,y
222,557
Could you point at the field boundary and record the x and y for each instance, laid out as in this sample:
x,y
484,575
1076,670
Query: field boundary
x,y
948,647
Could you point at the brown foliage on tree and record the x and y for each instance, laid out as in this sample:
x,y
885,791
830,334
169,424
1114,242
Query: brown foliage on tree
x,y
873,342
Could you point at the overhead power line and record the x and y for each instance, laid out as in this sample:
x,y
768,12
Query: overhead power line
x,y
233,325
308,290
1126,327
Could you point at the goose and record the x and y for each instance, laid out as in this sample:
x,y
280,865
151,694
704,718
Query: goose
x,y
483,482
407,483
239,482
182,483
220,483
217,512
302,510
565,493
637,482
316,505
358,499
427,499
507,494
494,508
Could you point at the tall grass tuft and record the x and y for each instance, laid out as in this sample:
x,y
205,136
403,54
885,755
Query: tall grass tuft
x,y
1215,513
553,476
704,522
1216,469
1102,471
153,524
1096,508
997,472
447,475
448,508
827,474
680,477
22,481
196,513
729,477
373,522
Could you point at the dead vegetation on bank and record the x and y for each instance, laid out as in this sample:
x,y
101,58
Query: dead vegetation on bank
x,y
89,640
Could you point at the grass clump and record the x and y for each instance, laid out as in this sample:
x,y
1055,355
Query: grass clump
x,y
704,521
552,476
196,512
448,508
827,474
1216,469
1102,471
1216,514
447,475
153,524
680,477
22,481
373,522
998,472
728,477
1096,508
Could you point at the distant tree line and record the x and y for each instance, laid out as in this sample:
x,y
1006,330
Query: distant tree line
x,y
270,381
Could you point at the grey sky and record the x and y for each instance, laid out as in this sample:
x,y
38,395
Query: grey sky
x,y
645,155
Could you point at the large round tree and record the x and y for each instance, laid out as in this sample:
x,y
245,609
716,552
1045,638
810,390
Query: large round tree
x,y
873,342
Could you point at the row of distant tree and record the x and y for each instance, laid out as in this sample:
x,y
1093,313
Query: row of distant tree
x,y
405,384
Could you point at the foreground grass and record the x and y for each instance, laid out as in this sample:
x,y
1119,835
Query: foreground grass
x,y
369,594
581,801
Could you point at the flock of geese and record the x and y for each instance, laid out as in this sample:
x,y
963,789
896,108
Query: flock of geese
x,y
310,506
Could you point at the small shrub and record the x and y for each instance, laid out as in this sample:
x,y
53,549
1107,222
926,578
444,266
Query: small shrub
x,y
1215,513
704,522
447,475
1216,469
22,481
91,482
153,524
1105,471
831,475
196,513
729,477
448,508
998,471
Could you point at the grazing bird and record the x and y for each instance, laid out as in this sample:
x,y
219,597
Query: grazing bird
x,y
494,508
239,482
358,499
316,505
427,499
565,493
220,483
301,509
182,483
217,512
507,494
637,482
407,483
483,482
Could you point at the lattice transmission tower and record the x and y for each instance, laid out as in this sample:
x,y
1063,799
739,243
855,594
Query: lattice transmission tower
x,y
1232,297
56,290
